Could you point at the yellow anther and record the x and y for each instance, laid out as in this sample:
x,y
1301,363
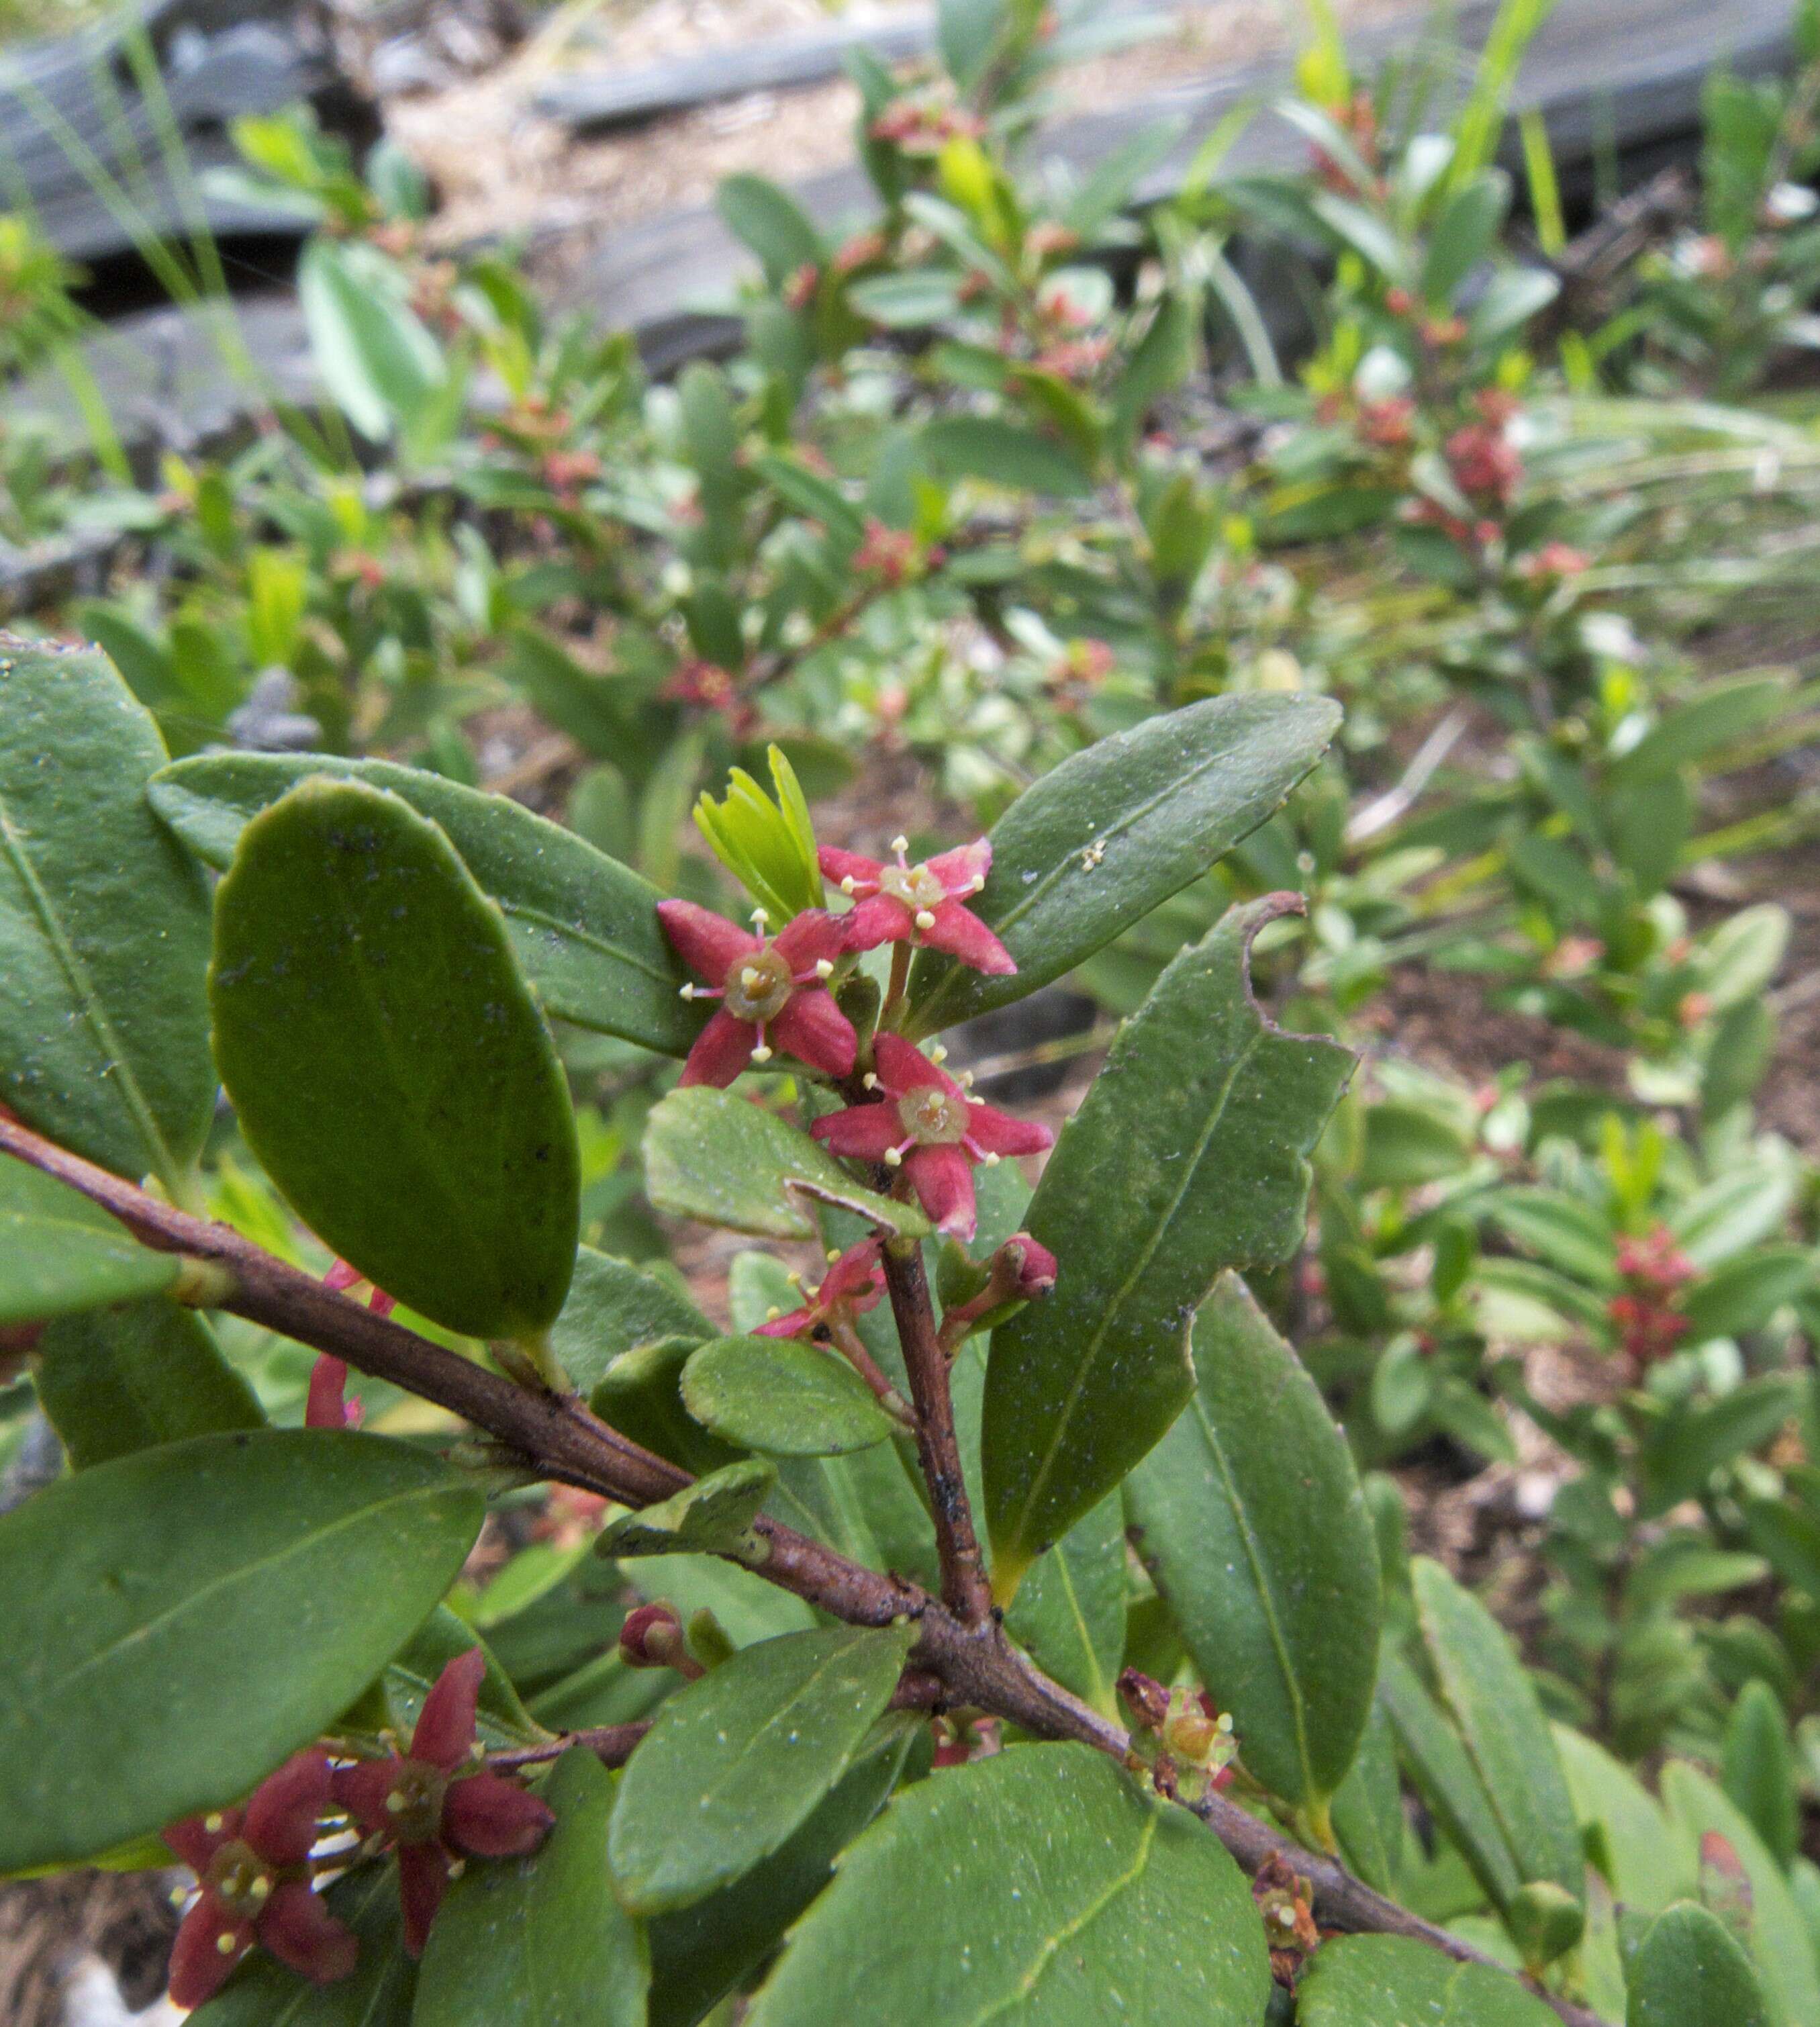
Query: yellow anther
x,y
763,1053
824,968
925,919
892,1158
900,843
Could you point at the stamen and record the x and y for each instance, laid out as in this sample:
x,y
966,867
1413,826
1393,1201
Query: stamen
x,y
685,992
870,1080
900,844
989,1159
212,1823
847,883
924,919
225,1943
824,968
773,1313
760,917
834,1254
893,1157
939,1053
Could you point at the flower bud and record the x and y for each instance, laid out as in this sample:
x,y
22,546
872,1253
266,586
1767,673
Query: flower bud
x,y
652,1637
1145,1698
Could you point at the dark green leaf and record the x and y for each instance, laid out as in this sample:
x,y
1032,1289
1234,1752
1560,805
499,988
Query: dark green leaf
x,y
613,1306
1465,233
1394,1982
1070,1611
1039,1885
1368,1807
584,928
782,1396
1114,830
770,221
1253,1524
1003,453
1759,1769
712,1516
103,928
711,1155
1689,1971
1632,1844
1494,1703
375,356
1189,1156
59,1253
541,1939
640,1395
180,1620
1449,1781
119,1380
264,1994
738,1762
699,1953
390,1069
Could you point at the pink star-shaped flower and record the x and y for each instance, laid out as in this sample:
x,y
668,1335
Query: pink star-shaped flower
x,y
902,903
433,1811
855,1281
252,1865
776,989
932,1128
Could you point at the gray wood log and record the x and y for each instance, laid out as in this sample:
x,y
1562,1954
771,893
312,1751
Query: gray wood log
x,y
78,97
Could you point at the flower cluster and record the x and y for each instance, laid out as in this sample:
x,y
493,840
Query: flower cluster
x,y
1654,1269
253,1864
854,1284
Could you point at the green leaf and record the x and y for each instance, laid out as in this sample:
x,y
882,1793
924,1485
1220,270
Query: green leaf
x,y
1040,1886
1189,1156
1721,713
541,1938
1463,234
1689,1971
1395,1981
584,928
1626,1830
770,221
640,1395
712,1155
1070,1610
1494,1703
1001,452
903,302
700,1952
1253,1526
119,1380
739,1761
967,33
1114,831
1367,1807
1759,1769
1449,1783
784,1397
396,1701
389,1068
1784,1957
263,1993
153,1665
712,1516
768,844
373,351
104,927
612,1306
60,1253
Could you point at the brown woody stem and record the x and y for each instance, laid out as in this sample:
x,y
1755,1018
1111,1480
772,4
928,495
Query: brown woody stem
x,y
961,1656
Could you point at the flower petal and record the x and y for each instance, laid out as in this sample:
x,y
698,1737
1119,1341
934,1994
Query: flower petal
x,y
858,1272
423,1874
445,1724
861,1133
722,1049
196,1843
199,1965
807,939
902,1066
789,1325
361,1790
706,942
837,866
326,1407
963,870
883,919
960,933
299,1930
995,1132
286,1807
815,1031
942,1178
493,1817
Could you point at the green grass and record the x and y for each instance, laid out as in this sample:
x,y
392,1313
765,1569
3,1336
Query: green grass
x,y
20,19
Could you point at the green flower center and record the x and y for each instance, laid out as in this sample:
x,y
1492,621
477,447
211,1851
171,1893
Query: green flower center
x,y
915,886
759,987
415,1804
239,1880
932,1118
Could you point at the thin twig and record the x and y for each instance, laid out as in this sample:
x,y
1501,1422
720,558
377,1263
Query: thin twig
x,y
1394,804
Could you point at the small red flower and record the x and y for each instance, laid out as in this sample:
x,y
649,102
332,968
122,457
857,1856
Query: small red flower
x,y
426,1805
328,1406
889,553
932,1128
918,904
1484,462
855,1281
777,989
252,1865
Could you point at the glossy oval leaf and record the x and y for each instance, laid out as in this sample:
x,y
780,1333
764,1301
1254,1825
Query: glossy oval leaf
x,y
1395,1981
1114,831
1251,1521
1189,1156
640,1395
699,1953
390,1068
782,1396
1070,1610
1493,1702
263,1993
738,1762
613,1305
1040,1886
104,925
60,1253
541,1938
1689,1971
584,927
711,1517
713,1156
119,1380
180,1620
